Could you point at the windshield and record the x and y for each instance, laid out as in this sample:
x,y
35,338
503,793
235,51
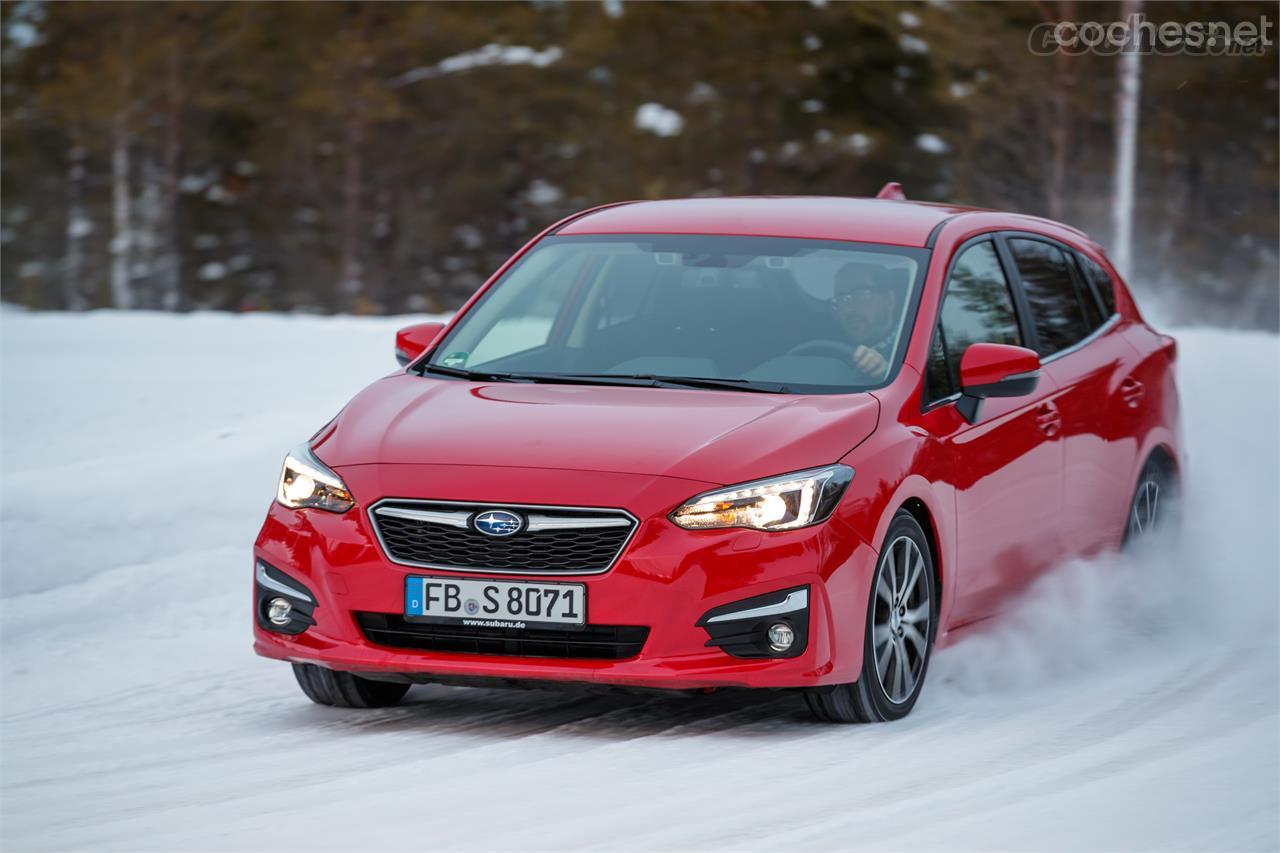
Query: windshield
x,y
758,313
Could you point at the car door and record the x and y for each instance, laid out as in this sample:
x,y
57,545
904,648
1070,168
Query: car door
x,y
1081,347
1004,468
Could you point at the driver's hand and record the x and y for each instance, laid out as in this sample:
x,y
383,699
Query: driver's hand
x,y
871,362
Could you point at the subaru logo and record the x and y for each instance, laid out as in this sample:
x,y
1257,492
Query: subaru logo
x,y
498,522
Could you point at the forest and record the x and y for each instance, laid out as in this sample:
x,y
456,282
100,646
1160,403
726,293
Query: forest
x,y
385,158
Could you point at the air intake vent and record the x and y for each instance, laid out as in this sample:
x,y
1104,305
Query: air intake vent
x,y
594,642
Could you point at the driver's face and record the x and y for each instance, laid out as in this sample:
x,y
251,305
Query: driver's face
x,y
864,311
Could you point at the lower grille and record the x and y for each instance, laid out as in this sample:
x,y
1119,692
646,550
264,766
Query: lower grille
x,y
592,642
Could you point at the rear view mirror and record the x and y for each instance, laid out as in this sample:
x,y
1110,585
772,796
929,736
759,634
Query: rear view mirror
x,y
995,370
412,341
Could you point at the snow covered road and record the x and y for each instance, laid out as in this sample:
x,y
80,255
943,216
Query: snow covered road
x,y
1127,704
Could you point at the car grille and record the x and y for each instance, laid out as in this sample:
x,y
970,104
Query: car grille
x,y
592,642
552,541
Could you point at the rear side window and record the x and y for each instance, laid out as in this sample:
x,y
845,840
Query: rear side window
x,y
1092,311
1101,283
976,308
1060,315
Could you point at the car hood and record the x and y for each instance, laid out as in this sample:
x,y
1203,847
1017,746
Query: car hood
x,y
712,436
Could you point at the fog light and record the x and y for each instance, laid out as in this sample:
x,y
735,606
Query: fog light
x,y
781,636
280,611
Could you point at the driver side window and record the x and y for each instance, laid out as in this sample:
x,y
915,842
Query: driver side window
x,y
977,307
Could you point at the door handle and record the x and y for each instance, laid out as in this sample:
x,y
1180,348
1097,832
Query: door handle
x,y
1132,392
1049,419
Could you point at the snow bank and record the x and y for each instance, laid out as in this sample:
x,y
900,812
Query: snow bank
x,y
129,437
140,452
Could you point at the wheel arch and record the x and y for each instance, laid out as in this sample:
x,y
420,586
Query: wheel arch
x,y
1160,444
918,497
920,512
1165,457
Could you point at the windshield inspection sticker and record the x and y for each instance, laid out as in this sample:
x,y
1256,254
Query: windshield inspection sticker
x,y
455,359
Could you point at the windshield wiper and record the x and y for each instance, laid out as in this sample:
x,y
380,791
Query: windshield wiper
x,y
657,381
649,380
545,378
475,376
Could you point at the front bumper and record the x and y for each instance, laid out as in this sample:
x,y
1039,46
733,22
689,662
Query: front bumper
x,y
667,580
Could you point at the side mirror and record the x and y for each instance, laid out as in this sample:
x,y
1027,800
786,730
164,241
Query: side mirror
x,y
412,341
995,370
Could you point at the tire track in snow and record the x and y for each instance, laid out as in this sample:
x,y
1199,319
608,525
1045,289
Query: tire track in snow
x,y
1011,760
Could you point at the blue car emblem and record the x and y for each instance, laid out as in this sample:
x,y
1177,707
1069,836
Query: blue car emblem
x,y
498,522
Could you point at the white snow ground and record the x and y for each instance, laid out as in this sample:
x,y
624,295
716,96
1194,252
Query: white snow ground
x,y
1128,704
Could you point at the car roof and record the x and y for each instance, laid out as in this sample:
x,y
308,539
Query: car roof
x,y
863,220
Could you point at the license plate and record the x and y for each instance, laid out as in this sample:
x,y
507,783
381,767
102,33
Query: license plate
x,y
495,604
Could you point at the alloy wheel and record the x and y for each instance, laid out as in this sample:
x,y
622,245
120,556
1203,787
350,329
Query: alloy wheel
x,y
901,620
1144,515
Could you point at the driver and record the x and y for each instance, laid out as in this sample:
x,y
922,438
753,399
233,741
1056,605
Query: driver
x,y
864,307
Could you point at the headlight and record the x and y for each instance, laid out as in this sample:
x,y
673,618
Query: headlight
x,y
779,503
307,483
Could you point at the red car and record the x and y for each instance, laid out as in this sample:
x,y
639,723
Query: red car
x,y
748,442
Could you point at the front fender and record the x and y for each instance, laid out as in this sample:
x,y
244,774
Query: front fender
x,y
887,477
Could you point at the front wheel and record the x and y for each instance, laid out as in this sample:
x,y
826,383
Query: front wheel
x,y
900,628
344,690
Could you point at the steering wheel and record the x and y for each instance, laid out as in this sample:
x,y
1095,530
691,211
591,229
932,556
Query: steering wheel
x,y
830,348
827,346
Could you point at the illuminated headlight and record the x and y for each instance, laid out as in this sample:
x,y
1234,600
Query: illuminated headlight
x,y
779,503
307,483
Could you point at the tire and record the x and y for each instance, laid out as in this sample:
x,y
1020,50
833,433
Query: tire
x,y
1153,509
869,699
344,690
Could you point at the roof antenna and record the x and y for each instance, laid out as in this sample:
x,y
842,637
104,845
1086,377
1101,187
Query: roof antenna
x,y
892,191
